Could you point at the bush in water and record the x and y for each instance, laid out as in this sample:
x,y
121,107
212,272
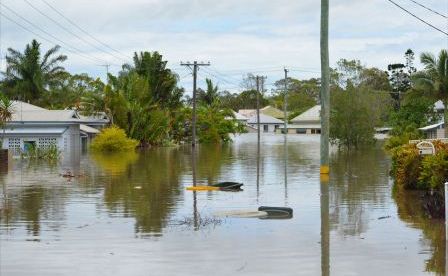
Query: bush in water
x,y
113,139
414,171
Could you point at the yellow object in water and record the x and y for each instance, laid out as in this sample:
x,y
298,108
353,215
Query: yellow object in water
x,y
324,169
202,188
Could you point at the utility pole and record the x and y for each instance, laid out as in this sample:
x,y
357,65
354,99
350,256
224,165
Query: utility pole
x,y
285,102
195,76
107,71
324,90
260,88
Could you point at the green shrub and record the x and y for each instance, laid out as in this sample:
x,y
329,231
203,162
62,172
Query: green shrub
x,y
50,153
406,162
113,139
413,171
434,171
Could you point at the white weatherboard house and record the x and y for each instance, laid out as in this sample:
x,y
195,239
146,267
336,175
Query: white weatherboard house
x,y
267,123
435,131
35,126
306,123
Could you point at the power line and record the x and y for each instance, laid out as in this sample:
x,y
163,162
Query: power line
x,y
429,9
40,36
68,30
217,77
69,47
83,30
418,18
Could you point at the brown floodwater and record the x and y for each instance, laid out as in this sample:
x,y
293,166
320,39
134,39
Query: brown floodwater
x,y
130,214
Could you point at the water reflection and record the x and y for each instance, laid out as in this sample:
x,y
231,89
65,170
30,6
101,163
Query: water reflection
x,y
146,188
325,228
32,198
129,196
410,210
115,164
359,182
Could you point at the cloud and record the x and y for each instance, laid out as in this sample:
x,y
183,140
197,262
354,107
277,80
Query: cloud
x,y
231,34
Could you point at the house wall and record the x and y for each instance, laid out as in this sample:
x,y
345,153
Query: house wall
x,y
270,127
304,130
67,142
16,144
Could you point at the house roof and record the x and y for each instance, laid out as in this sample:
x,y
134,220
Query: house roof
x,y
87,129
273,112
25,112
35,130
311,115
433,126
247,112
264,119
240,117
23,106
45,116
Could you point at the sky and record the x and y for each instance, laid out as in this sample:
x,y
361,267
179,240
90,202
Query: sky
x,y
237,37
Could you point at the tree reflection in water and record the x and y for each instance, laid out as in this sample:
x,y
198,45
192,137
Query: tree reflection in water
x,y
359,181
410,210
144,186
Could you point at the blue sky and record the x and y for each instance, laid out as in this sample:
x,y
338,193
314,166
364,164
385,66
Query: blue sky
x,y
237,37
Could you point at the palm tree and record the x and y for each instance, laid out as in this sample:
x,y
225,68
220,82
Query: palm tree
x,y
435,76
29,74
6,111
211,95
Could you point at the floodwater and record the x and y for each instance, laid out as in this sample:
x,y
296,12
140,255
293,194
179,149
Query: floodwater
x,y
130,214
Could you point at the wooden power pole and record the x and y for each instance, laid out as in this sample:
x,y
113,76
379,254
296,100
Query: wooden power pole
x,y
195,77
285,103
324,90
260,88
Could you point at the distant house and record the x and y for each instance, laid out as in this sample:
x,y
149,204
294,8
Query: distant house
x,y
240,118
434,131
267,110
306,123
248,112
33,126
267,123
273,112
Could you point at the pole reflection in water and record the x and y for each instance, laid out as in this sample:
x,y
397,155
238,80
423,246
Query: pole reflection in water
x,y
195,203
285,153
324,227
258,168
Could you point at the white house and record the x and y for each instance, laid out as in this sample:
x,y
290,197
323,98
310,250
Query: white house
x,y
35,126
434,131
267,123
306,123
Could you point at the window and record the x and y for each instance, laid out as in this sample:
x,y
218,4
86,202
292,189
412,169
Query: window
x,y
301,130
29,145
14,146
265,128
47,142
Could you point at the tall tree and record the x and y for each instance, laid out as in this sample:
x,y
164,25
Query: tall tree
x,y
29,74
6,111
210,95
435,76
400,76
162,81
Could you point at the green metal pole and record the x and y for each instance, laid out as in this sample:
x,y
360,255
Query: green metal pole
x,y
325,89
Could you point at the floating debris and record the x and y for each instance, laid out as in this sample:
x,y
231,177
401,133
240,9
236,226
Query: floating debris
x,y
199,221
